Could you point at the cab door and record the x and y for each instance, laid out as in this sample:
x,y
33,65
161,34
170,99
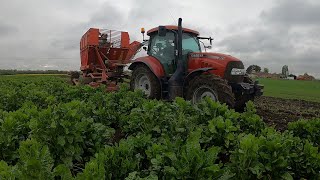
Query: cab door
x,y
163,49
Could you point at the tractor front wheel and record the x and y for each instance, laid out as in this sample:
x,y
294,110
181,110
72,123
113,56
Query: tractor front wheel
x,y
212,86
142,78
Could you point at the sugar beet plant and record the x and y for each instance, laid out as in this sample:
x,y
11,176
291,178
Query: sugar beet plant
x,y
51,130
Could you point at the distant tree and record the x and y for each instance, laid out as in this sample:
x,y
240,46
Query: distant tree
x,y
258,68
253,68
285,71
249,69
265,70
14,71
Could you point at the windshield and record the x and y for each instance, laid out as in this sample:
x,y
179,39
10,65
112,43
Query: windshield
x,y
190,43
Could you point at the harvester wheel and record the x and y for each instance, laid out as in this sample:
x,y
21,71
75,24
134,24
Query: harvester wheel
x,y
74,77
85,80
209,85
142,78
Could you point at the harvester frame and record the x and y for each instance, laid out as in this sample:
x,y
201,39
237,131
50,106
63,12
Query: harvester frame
x,y
104,54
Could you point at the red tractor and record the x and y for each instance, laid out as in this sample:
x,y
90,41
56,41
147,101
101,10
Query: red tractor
x,y
176,67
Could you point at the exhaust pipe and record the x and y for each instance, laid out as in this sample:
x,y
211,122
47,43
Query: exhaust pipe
x,y
175,83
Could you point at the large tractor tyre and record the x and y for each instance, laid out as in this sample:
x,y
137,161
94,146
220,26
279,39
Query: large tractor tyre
x,y
142,78
209,85
241,100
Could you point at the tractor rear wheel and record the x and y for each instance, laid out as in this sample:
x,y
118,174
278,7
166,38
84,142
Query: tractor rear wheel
x,y
142,78
212,86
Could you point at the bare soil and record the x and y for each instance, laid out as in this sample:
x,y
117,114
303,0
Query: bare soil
x,y
279,112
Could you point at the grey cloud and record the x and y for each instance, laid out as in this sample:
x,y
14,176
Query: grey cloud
x,y
6,29
108,16
294,12
44,33
157,12
255,41
147,14
285,34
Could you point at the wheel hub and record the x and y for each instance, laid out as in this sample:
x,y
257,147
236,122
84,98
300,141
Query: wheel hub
x,y
143,83
203,92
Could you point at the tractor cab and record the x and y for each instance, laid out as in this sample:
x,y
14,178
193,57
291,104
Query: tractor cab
x,y
163,46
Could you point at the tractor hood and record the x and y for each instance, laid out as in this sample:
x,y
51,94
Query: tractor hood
x,y
223,65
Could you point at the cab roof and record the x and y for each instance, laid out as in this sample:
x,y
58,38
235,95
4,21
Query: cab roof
x,y
172,27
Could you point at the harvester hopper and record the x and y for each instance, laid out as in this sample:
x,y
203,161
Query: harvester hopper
x,y
104,53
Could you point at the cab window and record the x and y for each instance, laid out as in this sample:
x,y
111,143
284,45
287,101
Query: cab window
x,y
162,47
190,43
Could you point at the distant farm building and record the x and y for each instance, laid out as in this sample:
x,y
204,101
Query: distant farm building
x,y
267,75
305,77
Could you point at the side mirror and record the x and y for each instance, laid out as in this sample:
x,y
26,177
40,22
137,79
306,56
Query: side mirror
x,y
145,48
162,31
208,47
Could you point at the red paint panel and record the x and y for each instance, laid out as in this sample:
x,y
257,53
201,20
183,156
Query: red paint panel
x,y
125,40
91,37
133,48
217,61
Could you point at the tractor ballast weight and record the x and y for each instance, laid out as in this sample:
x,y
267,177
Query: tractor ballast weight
x,y
104,53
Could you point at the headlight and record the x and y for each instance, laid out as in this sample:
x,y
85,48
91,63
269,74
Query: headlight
x,y
236,71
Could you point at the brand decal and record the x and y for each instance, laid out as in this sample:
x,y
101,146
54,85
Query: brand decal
x,y
197,55
207,56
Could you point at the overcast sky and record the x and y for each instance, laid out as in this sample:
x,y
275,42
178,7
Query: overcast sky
x,y
45,34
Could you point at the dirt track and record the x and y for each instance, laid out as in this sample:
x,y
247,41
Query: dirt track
x,y
278,112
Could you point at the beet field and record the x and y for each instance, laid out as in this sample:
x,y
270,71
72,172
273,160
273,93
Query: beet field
x,y
52,130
